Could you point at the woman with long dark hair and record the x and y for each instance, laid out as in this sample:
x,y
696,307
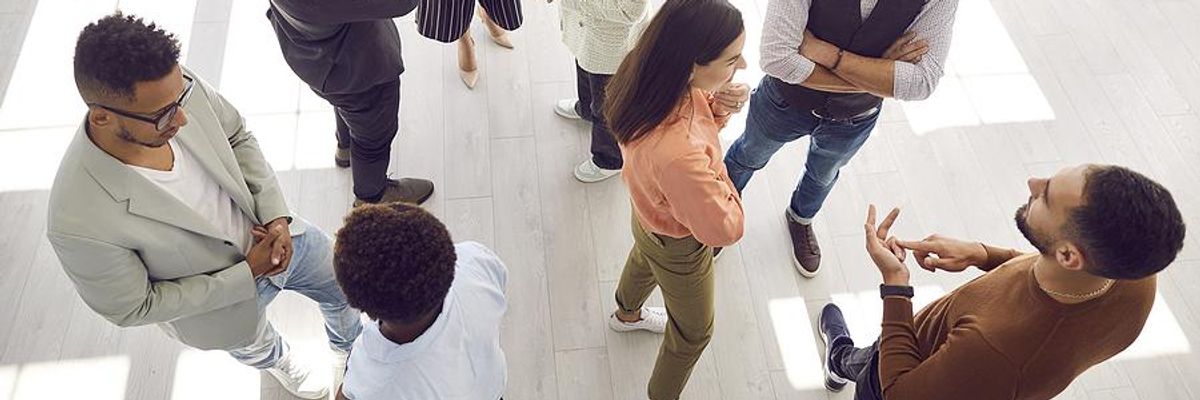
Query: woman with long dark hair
x,y
667,102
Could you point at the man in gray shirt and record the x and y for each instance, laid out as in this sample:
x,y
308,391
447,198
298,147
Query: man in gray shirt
x,y
829,66
348,52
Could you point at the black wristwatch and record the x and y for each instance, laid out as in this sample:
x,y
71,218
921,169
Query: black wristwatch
x,y
886,290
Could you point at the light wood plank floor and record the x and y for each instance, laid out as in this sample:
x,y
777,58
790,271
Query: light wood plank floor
x,y
1032,86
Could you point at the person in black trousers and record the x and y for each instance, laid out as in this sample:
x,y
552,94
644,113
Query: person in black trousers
x,y
348,52
599,33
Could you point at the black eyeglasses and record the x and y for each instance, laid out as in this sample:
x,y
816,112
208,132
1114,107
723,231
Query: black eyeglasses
x,y
163,117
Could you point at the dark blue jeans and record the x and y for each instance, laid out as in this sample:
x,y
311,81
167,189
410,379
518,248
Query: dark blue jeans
x,y
772,123
859,365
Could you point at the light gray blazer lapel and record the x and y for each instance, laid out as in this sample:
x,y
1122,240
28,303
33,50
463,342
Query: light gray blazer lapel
x,y
202,148
144,197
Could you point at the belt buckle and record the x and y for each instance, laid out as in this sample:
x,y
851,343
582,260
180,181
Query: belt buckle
x,y
819,116
830,119
852,119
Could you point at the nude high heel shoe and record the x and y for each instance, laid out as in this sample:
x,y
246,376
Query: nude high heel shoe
x,y
469,76
501,38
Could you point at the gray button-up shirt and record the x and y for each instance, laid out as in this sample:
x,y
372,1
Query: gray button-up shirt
x,y
783,31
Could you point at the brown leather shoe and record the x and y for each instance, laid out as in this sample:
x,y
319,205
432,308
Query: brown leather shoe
x,y
806,253
408,190
342,157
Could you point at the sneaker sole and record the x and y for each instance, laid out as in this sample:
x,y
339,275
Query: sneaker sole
x,y
796,263
588,180
829,375
567,116
622,327
323,394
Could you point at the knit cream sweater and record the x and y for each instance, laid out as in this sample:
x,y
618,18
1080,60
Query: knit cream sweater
x,y
601,32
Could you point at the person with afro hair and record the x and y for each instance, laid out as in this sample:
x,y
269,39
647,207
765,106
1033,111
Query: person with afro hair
x,y
435,308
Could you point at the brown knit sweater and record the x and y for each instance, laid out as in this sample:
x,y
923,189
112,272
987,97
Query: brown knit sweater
x,y
1001,337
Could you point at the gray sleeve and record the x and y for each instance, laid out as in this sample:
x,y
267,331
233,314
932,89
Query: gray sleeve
x,y
114,283
783,31
625,12
935,25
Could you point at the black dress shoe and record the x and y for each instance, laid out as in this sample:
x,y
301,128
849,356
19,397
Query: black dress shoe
x,y
407,190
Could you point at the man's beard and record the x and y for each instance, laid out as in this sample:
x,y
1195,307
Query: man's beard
x,y
1038,242
127,136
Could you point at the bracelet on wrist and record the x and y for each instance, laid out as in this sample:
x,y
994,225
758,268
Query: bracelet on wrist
x,y
837,62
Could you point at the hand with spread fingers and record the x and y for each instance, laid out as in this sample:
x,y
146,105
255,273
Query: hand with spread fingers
x,y
948,254
885,250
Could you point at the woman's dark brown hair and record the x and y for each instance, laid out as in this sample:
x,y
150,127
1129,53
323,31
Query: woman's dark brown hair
x,y
654,76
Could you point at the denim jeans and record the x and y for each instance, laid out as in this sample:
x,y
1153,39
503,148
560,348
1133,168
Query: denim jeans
x,y
860,365
772,122
309,273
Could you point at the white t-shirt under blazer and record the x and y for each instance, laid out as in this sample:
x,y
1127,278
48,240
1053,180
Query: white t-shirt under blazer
x,y
189,182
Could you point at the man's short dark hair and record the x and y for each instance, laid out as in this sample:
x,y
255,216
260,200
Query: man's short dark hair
x,y
114,53
1128,226
394,261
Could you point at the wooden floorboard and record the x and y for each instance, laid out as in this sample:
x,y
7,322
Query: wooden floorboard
x,y
1121,78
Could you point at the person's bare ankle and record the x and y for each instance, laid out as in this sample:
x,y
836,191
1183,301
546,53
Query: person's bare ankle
x,y
629,316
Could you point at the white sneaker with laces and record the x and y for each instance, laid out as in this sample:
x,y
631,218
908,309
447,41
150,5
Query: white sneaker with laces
x,y
297,379
566,108
588,172
654,319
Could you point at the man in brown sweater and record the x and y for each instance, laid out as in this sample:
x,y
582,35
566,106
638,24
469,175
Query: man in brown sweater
x,y
1033,322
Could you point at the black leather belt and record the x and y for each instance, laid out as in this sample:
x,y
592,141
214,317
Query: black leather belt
x,y
861,116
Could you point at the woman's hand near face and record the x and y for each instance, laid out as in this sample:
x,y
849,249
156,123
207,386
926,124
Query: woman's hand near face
x,y
730,98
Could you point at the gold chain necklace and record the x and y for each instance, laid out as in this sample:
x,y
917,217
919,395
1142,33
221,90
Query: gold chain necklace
x,y
1107,284
1097,292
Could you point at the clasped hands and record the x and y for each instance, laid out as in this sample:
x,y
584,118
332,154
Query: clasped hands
x,y
272,249
932,253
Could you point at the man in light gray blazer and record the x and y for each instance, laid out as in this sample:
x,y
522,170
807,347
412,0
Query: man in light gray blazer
x,y
165,212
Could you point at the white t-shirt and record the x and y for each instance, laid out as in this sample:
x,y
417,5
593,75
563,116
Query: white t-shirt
x,y
189,182
457,358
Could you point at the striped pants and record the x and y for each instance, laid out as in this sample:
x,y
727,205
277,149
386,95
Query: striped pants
x,y
446,20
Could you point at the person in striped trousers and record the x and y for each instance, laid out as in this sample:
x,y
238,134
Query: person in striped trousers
x,y
448,20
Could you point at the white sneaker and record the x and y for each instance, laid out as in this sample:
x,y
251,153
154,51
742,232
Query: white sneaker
x,y
297,379
566,108
588,172
654,319
340,357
